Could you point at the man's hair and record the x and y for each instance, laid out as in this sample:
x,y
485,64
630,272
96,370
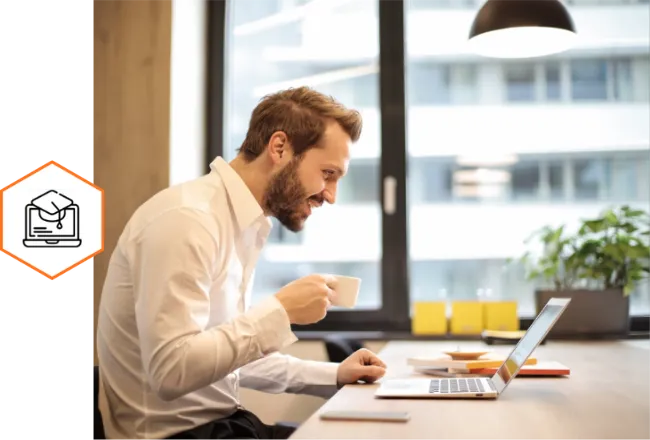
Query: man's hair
x,y
302,113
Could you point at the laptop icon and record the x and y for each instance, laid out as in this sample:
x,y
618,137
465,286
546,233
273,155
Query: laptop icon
x,y
481,387
52,220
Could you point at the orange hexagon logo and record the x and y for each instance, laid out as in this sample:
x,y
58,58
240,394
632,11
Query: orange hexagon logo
x,y
52,220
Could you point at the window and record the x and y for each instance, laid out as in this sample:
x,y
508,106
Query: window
x,y
609,79
432,180
536,155
556,180
525,181
462,85
622,176
361,185
589,80
436,78
520,82
594,79
486,150
589,176
442,84
621,73
274,45
466,279
553,85
268,58
627,177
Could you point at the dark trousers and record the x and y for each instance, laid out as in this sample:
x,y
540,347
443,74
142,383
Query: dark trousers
x,y
241,424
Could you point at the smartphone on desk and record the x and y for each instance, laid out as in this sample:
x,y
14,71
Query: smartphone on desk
x,y
373,416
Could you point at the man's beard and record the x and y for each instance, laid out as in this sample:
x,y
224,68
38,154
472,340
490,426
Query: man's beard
x,y
285,197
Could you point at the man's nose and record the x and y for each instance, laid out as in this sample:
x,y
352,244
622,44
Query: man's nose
x,y
329,194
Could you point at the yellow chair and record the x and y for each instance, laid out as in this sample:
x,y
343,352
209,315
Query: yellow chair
x,y
467,317
429,318
501,315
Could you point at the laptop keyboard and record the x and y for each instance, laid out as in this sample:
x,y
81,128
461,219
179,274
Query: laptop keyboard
x,y
452,386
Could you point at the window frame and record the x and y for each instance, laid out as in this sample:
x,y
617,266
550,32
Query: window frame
x,y
394,315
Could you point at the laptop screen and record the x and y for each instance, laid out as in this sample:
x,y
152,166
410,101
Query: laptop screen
x,y
531,339
61,227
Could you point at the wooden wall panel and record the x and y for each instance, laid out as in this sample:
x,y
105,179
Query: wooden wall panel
x,y
132,108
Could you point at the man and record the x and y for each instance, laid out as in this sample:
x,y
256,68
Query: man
x,y
176,335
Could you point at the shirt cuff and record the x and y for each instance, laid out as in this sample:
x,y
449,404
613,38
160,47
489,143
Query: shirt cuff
x,y
272,325
321,373
317,378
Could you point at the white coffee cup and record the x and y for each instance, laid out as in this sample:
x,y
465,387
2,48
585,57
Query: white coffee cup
x,y
346,291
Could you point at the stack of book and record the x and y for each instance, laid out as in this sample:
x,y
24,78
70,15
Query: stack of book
x,y
445,366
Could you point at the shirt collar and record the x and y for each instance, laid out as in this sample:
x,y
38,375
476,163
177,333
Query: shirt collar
x,y
245,207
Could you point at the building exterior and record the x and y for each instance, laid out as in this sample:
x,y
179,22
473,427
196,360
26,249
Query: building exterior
x,y
497,149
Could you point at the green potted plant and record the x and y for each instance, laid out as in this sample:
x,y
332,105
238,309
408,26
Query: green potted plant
x,y
598,265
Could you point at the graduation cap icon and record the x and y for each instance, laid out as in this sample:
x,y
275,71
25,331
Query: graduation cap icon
x,y
52,219
51,206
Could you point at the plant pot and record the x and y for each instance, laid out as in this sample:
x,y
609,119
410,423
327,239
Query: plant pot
x,y
591,313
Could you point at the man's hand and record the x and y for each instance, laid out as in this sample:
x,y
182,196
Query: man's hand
x,y
307,299
361,365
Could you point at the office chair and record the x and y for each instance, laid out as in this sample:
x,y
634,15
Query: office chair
x,y
339,348
98,426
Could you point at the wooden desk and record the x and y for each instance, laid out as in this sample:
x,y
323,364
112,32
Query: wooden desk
x,y
606,396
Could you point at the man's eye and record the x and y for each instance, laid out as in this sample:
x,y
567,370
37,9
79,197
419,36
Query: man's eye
x,y
328,173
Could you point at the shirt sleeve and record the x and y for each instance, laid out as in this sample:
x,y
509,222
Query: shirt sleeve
x,y
280,373
173,264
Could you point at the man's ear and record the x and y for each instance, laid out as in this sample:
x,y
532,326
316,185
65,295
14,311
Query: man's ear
x,y
279,147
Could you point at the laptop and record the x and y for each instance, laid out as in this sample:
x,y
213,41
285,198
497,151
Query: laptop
x,y
52,220
480,387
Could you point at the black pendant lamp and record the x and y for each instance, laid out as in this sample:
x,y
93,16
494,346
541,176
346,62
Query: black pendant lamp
x,y
521,29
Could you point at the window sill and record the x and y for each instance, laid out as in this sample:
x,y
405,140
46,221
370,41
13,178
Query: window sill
x,y
406,336
382,336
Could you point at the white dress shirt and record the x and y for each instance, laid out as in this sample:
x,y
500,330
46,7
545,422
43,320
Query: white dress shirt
x,y
176,334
